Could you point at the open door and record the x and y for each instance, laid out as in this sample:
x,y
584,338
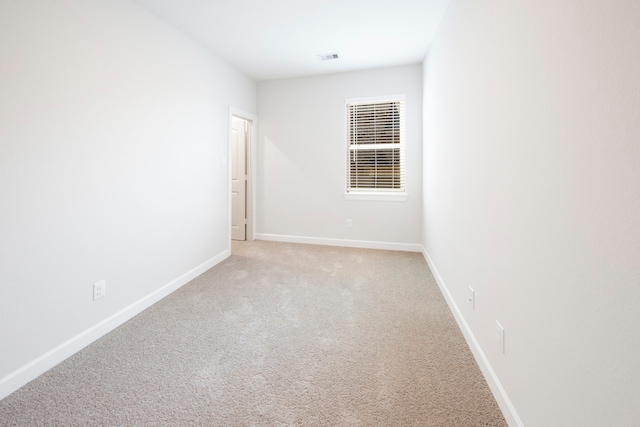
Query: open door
x,y
239,143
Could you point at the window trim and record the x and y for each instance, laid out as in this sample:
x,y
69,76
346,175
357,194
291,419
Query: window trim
x,y
385,196
399,195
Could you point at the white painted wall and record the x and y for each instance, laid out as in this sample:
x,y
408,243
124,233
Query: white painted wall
x,y
113,126
532,196
301,161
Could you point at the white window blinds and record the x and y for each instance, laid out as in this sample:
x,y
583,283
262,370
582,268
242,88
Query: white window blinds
x,y
375,145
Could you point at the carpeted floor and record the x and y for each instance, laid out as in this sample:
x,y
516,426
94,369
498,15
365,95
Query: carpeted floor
x,y
279,334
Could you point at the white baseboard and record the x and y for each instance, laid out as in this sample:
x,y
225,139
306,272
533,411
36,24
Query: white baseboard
x,y
500,394
406,247
40,365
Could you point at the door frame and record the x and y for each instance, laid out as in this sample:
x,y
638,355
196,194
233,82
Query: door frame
x,y
251,171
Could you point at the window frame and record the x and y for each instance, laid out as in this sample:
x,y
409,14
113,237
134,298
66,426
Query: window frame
x,y
400,194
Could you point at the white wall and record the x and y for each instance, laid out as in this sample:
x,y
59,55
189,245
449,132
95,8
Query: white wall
x,y
112,130
532,196
301,161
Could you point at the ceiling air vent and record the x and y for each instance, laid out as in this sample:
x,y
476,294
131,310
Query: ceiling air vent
x,y
328,56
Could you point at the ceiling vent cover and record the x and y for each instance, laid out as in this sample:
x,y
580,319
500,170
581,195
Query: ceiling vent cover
x,y
328,56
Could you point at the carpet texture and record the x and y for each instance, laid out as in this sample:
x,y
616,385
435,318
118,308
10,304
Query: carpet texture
x,y
279,334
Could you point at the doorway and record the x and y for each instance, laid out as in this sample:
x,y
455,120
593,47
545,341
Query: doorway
x,y
241,143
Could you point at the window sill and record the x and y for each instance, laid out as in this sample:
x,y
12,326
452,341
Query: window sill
x,y
388,197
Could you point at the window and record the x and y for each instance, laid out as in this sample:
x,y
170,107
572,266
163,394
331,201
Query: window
x,y
375,148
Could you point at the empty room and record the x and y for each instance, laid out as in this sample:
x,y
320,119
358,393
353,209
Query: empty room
x,y
319,213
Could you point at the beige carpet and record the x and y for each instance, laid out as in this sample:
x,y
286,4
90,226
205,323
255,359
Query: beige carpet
x,y
277,335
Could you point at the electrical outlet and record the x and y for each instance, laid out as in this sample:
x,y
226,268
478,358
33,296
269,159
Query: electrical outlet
x,y
500,336
349,223
472,298
99,289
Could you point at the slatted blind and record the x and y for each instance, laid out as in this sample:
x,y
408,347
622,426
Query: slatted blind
x,y
375,146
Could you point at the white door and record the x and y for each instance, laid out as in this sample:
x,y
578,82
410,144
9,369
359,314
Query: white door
x,y
238,180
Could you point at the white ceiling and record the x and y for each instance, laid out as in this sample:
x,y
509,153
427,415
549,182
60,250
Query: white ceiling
x,y
270,39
